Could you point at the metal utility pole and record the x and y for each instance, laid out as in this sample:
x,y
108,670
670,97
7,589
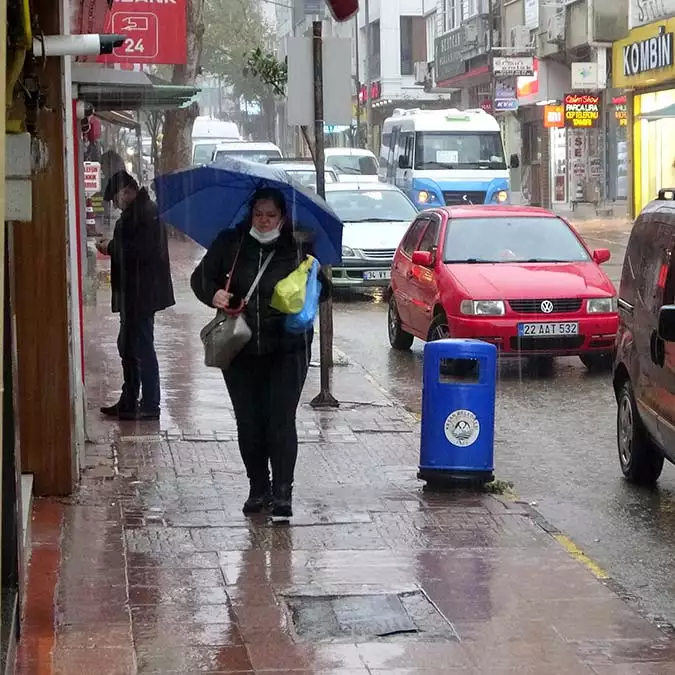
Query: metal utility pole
x,y
357,141
325,398
369,103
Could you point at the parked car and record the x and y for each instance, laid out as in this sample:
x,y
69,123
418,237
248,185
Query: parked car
x,y
302,171
249,150
352,163
644,367
518,277
375,218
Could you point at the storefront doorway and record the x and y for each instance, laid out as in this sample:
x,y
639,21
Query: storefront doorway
x,y
654,149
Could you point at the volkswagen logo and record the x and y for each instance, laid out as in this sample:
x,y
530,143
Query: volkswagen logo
x,y
546,306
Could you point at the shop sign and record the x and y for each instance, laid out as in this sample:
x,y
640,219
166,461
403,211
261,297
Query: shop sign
x,y
531,14
513,66
642,12
92,177
645,57
486,104
529,85
584,75
650,54
582,110
505,97
448,56
621,114
554,116
156,32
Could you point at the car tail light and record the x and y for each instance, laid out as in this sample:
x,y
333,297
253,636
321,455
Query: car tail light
x,y
343,9
663,275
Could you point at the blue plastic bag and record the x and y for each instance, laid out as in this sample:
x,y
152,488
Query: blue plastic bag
x,y
303,321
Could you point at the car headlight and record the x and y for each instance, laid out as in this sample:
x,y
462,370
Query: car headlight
x,y
501,197
348,252
424,197
483,307
601,305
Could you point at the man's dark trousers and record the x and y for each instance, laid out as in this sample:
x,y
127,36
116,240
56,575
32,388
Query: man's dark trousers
x,y
136,344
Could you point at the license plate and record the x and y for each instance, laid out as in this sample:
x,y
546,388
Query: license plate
x,y
545,330
377,275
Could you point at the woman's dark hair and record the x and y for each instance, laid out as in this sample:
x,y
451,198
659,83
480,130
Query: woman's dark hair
x,y
272,194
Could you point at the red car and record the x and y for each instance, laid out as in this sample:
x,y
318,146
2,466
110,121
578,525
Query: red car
x,y
519,277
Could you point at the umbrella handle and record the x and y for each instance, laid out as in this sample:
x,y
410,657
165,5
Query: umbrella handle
x,y
235,311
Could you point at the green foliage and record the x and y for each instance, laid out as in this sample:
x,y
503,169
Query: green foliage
x,y
268,70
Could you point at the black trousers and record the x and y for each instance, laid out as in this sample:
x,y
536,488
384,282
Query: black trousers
x,y
136,345
265,392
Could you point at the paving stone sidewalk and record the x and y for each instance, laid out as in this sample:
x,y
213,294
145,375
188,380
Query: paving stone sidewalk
x,y
152,568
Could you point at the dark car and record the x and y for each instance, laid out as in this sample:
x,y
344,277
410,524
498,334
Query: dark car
x,y
644,368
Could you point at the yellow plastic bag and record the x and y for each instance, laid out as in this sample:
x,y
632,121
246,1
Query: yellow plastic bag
x,y
289,293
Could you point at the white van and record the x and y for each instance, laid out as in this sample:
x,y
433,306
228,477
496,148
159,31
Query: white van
x,y
207,133
251,151
445,157
352,164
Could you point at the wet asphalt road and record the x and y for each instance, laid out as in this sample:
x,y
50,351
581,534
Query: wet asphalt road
x,y
555,440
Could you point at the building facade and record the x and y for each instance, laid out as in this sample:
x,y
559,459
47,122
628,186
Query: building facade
x,y
644,69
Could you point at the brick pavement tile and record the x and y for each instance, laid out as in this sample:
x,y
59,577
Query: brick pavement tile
x,y
218,659
102,661
266,655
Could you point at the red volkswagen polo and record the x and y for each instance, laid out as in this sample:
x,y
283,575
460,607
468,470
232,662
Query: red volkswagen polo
x,y
519,277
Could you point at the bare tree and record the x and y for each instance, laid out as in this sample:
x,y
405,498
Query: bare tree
x,y
177,139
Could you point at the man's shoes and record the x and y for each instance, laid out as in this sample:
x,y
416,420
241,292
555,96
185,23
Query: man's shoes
x,y
129,414
259,500
282,505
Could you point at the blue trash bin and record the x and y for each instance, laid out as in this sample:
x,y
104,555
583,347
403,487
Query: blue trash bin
x,y
458,412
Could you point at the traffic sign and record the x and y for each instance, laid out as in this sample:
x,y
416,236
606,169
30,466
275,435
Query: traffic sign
x,y
156,33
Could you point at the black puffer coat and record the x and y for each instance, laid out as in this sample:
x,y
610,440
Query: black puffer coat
x,y
267,325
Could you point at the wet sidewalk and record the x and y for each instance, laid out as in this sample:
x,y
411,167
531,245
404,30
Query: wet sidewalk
x,y
152,568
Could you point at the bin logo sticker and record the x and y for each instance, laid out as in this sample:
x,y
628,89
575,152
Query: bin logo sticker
x,y
462,428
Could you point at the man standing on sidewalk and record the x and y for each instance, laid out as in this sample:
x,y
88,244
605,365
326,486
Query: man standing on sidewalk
x,y
141,283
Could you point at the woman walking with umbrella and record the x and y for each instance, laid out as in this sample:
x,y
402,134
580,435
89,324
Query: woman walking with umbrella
x,y
265,380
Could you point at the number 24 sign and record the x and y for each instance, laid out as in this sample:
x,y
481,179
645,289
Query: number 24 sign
x,y
142,31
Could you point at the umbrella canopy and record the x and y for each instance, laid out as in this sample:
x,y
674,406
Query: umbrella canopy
x,y
204,200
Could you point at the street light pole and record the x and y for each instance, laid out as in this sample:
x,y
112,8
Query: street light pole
x,y
358,81
324,398
369,107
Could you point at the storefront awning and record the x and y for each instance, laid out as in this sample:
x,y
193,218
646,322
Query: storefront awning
x,y
120,119
661,113
112,89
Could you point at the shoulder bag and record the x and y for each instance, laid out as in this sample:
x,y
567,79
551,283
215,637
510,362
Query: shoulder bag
x,y
228,333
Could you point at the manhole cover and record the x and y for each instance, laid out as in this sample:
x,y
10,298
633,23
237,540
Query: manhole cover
x,y
388,616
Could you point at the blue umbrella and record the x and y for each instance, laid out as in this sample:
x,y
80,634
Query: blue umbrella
x,y
204,200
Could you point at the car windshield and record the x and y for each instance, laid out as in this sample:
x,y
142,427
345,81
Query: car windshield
x,y
203,153
307,176
511,240
259,156
459,150
353,164
361,206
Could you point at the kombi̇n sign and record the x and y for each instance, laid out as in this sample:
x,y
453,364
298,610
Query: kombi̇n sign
x,y
156,31
650,54
582,110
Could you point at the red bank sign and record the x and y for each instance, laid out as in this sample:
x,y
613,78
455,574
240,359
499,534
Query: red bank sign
x,y
156,31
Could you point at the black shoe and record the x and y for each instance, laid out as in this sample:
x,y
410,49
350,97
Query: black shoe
x,y
282,506
138,415
118,410
258,501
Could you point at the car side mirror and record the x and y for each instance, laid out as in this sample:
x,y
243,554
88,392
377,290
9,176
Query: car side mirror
x,y
601,255
423,258
514,162
667,323
403,162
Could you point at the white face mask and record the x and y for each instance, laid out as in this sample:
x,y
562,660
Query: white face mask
x,y
265,237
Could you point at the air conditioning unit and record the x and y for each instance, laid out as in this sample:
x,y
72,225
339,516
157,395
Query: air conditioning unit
x,y
520,37
421,70
555,30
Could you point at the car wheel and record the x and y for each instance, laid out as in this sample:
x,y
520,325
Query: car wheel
x,y
597,363
439,329
398,338
640,459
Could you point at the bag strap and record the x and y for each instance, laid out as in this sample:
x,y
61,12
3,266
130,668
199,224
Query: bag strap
x,y
258,277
